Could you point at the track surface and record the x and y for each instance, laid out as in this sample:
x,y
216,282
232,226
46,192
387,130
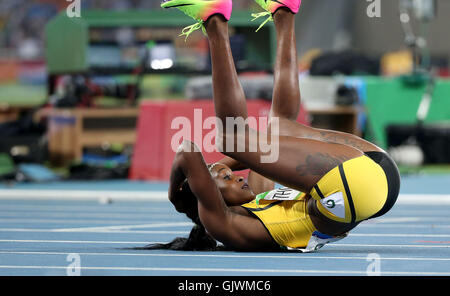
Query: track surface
x,y
51,237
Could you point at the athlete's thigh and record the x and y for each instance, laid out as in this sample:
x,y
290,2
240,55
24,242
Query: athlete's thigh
x,y
297,163
291,128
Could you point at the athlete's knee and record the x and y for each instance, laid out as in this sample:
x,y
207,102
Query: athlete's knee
x,y
288,113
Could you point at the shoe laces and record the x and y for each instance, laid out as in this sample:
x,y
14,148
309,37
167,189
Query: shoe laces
x,y
262,14
192,28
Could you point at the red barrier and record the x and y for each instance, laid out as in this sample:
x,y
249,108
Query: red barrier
x,y
163,124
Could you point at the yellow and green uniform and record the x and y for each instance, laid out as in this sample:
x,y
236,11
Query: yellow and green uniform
x,y
287,221
354,191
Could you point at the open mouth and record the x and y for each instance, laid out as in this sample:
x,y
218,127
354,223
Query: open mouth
x,y
245,186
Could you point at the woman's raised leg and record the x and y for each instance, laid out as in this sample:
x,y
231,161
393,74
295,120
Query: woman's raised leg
x,y
229,97
286,94
299,163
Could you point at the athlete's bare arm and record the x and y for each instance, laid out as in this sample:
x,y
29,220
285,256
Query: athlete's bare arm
x,y
222,223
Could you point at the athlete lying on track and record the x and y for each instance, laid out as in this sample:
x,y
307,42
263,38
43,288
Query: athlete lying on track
x,y
333,180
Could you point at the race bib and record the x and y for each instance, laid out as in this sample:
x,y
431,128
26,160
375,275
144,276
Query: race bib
x,y
279,194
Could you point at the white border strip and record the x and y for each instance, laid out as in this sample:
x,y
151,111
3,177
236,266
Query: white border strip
x,y
83,195
227,270
424,199
24,241
256,256
93,195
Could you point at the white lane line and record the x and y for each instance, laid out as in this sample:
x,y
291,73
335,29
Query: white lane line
x,y
81,215
141,242
397,219
389,245
69,241
409,219
122,227
424,199
401,211
39,194
256,256
94,231
397,226
397,235
230,270
95,208
79,221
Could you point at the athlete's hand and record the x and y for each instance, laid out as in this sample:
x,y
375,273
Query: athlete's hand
x,y
185,202
177,178
176,197
233,164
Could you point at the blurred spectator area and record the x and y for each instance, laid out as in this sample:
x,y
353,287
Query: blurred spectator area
x,y
22,42
22,22
324,25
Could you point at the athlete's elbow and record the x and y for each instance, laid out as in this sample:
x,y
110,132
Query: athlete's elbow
x,y
189,156
187,147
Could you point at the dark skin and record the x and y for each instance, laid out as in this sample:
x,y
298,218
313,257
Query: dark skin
x,y
305,154
230,225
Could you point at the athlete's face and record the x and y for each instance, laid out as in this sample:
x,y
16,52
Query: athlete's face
x,y
234,189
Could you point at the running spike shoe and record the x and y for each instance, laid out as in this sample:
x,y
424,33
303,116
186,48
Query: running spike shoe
x,y
271,6
200,10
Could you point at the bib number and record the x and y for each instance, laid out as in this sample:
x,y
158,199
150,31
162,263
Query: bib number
x,y
335,204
